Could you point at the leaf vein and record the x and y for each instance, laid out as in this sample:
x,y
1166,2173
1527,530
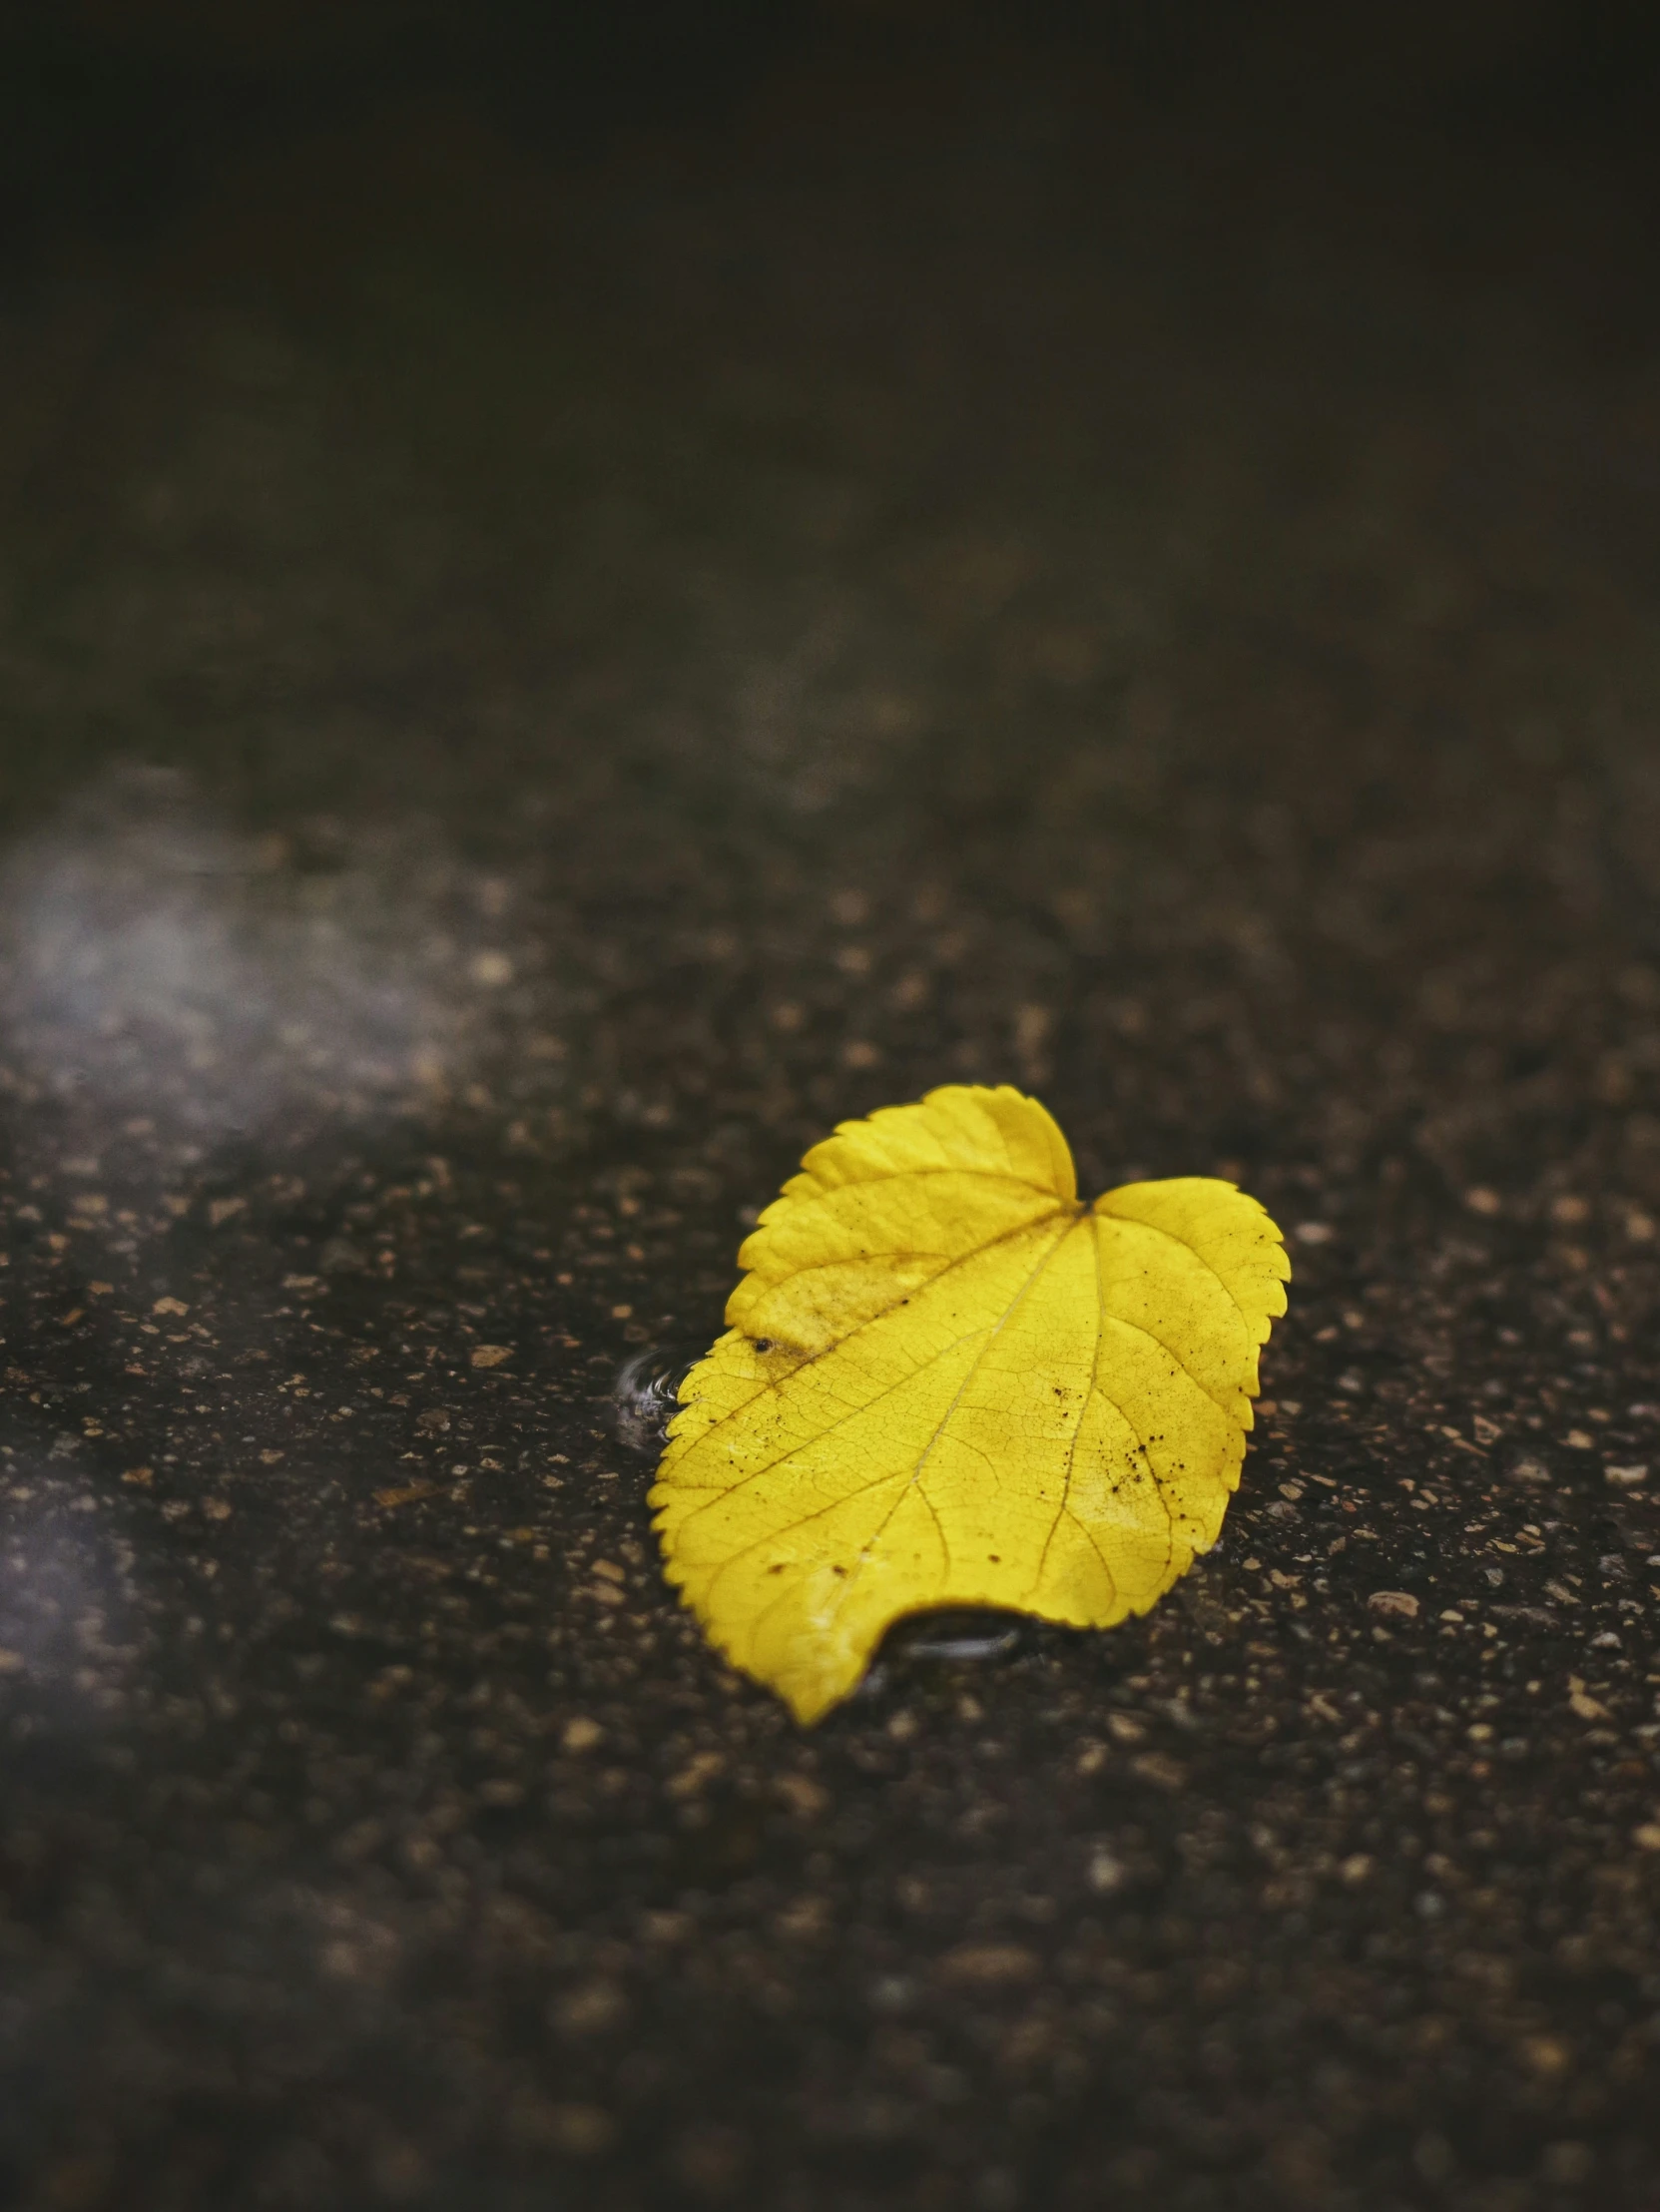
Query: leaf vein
x,y
1005,1319
731,1489
1063,1509
870,1322
1135,1221
1119,1320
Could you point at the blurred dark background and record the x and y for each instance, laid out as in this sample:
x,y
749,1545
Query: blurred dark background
x,y
115,112
572,287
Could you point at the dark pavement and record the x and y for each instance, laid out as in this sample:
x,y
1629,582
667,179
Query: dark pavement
x,y
542,667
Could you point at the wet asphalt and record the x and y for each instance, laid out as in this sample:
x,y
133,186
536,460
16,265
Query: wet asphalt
x,y
535,686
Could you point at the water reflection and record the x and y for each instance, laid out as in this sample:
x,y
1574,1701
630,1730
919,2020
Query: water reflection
x,y
69,1631
166,977
646,1394
956,1632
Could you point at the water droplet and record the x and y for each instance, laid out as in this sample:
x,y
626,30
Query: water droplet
x,y
647,1393
954,1632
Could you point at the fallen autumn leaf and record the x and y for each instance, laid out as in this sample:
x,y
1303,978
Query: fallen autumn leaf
x,y
948,1381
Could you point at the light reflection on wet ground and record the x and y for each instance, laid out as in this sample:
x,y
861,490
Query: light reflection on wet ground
x,y
71,1619
168,983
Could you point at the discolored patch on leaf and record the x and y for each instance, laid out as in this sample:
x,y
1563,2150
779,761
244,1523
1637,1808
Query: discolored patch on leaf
x,y
948,1381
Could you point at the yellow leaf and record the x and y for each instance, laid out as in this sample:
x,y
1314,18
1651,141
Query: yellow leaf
x,y
948,1381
